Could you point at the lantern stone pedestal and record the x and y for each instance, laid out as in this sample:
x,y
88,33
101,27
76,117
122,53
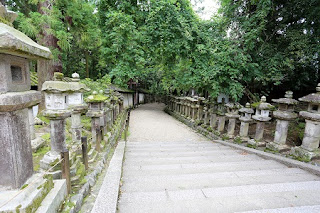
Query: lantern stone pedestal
x,y
213,115
221,110
261,116
284,115
310,143
245,119
57,136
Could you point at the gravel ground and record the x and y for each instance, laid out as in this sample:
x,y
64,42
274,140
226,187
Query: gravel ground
x,y
149,123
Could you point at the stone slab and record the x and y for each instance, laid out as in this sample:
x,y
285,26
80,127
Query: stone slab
x,y
196,181
54,198
108,195
201,168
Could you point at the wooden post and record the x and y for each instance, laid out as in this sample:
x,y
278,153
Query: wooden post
x,y
84,144
98,133
65,169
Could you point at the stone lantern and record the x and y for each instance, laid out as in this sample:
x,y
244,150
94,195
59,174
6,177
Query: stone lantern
x,y
193,109
245,118
261,116
232,115
16,52
96,112
76,103
310,143
284,115
56,102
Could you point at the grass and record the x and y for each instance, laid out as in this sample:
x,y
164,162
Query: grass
x,y
38,155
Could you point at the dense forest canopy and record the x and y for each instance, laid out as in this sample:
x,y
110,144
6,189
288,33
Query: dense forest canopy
x,y
249,48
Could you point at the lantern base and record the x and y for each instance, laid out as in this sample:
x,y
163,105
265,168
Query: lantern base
x,y
49,160
253,142
278,147
305,155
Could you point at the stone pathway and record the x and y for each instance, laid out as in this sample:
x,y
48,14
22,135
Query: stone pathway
x,y
170,168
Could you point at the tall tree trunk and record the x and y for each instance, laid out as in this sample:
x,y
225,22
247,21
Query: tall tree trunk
x,y
87,64
46,68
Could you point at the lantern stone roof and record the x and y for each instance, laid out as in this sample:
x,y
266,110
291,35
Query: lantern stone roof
x,y
264,105
14,42
233,105
312,98
59,86
247,109
96,98
287,99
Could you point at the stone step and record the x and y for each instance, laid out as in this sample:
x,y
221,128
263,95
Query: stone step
x,y
225,199
180,153
201,168
196,181
175,149
184,160
171,144
54,198
300,209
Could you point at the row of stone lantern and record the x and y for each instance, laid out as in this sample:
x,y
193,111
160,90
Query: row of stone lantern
x,y
65,99
215,114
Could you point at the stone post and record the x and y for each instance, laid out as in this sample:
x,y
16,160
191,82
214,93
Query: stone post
x,y
56,96
245,118
213,115
221,116
16,101
232,115
193,110
310,143
206,115
284,115
95,112
261,116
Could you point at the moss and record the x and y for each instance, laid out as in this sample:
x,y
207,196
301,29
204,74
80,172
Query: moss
x,y
24,186
224,137
46,137
38,155
96,98
44,119
255,105
237,140
251,146
18,208
3,20
86,122
38,126
270,150
47,186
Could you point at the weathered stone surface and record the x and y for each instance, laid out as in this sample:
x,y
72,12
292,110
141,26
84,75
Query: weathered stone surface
x,y
14,42
16,153
13,101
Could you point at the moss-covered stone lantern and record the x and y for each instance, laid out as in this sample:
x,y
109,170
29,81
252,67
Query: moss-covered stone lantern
x,y
96,112
310,143
16,101
245,118
57,110
221,111
232,115
284,115
261,116
75,102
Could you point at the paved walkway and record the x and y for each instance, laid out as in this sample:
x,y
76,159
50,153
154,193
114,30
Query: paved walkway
x,y
169,168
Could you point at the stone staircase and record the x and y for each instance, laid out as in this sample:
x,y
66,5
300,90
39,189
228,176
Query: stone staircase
x,y
210,177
